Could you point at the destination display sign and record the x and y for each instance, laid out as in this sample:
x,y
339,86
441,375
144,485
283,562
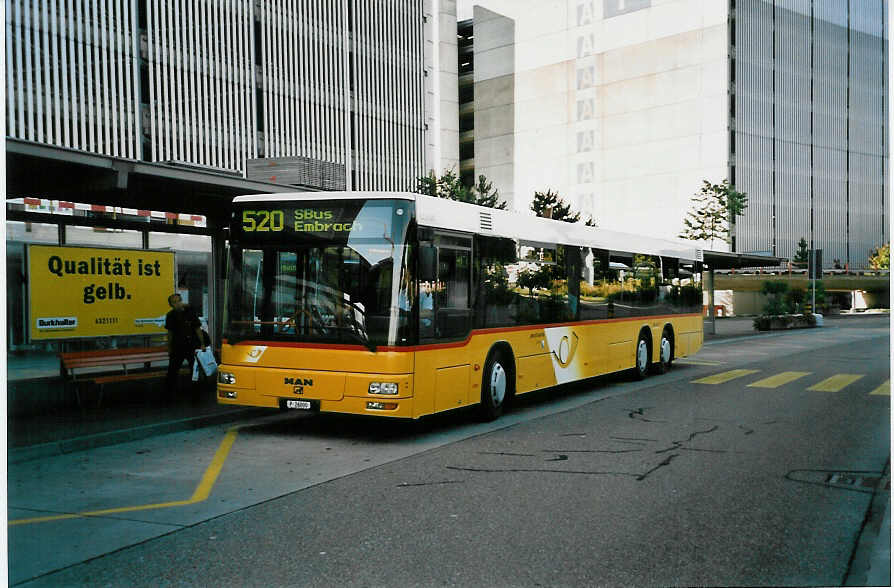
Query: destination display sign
x,y
336,221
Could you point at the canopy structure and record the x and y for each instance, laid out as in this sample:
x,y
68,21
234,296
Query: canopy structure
x,y
722,260
55,173
726,260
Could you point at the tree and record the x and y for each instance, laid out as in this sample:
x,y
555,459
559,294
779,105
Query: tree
x,y
530,279
880,258
550,205
487,195
447,186
801,255
713,212
450,186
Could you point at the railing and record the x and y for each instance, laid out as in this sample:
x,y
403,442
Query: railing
x,y
867,272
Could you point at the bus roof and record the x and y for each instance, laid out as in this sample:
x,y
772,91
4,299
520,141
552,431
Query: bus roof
x,y
452,215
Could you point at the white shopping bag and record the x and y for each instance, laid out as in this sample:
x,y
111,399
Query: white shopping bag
x,y
195,371
205,360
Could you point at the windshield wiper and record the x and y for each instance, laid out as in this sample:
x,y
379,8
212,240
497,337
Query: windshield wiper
x,y
362,337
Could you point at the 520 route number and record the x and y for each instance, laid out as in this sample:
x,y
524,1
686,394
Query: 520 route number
x,y
263,220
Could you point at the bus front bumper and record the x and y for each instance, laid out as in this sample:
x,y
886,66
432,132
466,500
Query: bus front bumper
x,y
340,392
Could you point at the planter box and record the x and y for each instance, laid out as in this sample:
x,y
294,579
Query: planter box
x,y
786,321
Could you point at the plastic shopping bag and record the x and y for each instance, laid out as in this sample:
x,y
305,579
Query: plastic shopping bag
x,y
205,360
195,371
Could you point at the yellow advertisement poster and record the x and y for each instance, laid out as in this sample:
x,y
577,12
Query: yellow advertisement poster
x,y
93,292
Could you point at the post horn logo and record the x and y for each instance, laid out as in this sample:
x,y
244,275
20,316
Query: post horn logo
x,y
567,348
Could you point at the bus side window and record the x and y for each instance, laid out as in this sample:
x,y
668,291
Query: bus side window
x,y
496,273
572,281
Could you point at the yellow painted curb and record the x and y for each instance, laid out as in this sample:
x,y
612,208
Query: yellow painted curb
x,y
202,491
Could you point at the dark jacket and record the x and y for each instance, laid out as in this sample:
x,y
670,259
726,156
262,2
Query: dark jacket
x,y
181,326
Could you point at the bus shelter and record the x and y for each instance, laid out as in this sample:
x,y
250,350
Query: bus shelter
x,y
121,221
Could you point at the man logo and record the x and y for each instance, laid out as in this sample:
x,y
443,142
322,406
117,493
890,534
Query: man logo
x,y
299,381
298,384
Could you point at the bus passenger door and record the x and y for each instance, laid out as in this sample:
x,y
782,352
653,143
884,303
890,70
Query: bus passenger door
x,y
445,315
453,311
445,311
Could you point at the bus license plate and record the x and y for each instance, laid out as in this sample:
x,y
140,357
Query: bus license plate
x,y
298,404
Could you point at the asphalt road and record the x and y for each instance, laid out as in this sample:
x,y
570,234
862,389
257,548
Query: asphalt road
x,y
752,463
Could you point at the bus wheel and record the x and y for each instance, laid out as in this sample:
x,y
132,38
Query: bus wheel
x,y
494,387
666,351
643,357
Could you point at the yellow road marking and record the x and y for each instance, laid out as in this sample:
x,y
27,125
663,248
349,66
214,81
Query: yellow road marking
x,y
778,380
883,390
835,383
202,491
724,377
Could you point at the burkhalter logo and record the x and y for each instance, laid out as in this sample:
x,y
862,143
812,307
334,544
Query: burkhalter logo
x,y
63,322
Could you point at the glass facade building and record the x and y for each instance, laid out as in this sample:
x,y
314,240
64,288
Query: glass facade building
x,y
339,84
809,126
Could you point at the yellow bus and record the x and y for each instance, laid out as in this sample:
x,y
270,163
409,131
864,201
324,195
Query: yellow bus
x,y
404,305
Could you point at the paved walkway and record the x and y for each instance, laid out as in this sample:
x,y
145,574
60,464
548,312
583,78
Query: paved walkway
x,y
729,327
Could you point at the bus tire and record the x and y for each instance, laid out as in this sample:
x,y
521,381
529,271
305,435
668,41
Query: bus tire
x,y
665,351
496,386
643,357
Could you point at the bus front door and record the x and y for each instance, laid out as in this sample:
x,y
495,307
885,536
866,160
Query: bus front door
x,y
445,315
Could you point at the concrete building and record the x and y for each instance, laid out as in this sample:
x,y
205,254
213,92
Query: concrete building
x,y
625,106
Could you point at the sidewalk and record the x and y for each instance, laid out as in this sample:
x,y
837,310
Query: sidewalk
x,y
732,327
128,412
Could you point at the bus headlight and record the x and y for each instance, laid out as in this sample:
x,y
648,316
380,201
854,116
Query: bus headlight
x,y
226,378
383,388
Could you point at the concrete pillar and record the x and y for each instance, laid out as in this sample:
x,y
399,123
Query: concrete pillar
x,y
216,272
711,301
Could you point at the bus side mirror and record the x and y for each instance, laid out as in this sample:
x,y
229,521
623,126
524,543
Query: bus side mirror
x,y
428,264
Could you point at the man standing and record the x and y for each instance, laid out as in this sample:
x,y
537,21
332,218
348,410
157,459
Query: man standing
x,y
184,337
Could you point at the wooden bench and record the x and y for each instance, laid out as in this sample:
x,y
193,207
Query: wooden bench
x,y
126,360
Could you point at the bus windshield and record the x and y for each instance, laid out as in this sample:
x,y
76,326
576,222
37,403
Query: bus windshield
x,y
320,272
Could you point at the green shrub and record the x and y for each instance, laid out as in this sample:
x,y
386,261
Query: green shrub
x,y
775,292
794,299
